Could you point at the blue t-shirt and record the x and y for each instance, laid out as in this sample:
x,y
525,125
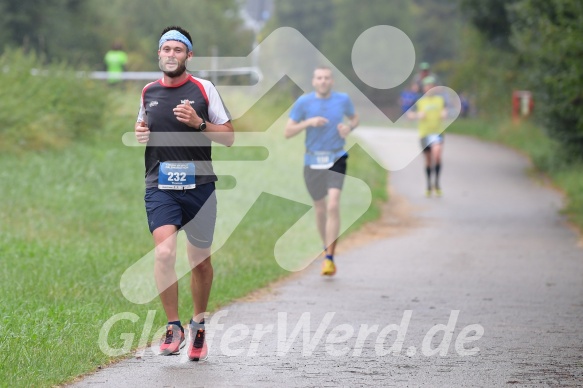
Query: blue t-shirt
x,y
408,99
333,108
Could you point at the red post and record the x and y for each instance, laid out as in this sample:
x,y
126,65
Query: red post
x,y
522,104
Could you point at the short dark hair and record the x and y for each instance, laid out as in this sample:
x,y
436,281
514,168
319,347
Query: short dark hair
x,y
179,29
323,67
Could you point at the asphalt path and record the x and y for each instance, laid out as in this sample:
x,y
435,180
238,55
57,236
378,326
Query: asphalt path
x,y
482,287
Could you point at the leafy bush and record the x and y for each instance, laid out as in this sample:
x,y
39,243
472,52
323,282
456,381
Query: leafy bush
x,y
548,36
538,43
45,106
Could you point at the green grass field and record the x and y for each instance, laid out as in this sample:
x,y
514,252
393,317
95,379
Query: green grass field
x,y
72,221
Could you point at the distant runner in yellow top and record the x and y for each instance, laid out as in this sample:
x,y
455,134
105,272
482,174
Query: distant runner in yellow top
x,y
430,111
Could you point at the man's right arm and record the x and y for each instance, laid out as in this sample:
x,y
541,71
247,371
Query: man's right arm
x,y
293,127
141,129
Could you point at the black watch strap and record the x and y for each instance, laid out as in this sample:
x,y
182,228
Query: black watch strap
x,y
202,126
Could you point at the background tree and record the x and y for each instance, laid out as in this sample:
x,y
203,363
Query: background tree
x,y
48,27
529,44
437,32
311,18
81,31
351,19
549,37
491,18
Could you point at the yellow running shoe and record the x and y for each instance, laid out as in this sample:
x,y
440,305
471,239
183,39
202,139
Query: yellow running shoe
x,y
328,268
438,192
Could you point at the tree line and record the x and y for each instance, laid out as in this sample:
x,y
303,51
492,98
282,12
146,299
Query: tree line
x,y
81,31
484,47
535,45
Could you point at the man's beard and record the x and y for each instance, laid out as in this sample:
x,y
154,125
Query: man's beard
x,y
176,73
180,69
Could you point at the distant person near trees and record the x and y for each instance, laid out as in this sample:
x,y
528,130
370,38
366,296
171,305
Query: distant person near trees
x,y
409,97
115,61
465,105
430,111
424,72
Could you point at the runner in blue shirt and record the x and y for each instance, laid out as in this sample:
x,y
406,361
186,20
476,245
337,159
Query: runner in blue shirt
x,y
321,114
409,97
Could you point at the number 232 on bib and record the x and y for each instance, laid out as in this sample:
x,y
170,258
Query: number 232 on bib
x,y
176,176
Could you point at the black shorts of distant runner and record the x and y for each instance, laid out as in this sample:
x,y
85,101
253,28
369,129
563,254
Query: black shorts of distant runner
x,y
319,181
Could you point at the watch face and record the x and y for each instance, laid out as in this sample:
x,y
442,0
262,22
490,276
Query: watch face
x,y
202,126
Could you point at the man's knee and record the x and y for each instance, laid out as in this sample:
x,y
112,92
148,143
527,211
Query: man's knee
x,y
320,206
333,207
203,266
165,255
199,258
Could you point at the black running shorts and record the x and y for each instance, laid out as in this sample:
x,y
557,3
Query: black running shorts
x,y
319,181
193,210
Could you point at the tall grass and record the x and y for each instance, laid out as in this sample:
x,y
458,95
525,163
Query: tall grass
x,y
45,105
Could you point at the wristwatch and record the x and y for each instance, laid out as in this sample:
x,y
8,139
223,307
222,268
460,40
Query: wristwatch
x,y
202,126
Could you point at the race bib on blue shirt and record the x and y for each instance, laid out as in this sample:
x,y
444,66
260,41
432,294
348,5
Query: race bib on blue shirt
x,y
320,160
176,176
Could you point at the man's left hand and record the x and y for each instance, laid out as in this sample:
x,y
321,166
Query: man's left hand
x,y
343,130
186,114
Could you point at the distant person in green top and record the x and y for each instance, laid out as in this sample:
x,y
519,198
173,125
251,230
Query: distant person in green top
x,y
115,61
430,111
